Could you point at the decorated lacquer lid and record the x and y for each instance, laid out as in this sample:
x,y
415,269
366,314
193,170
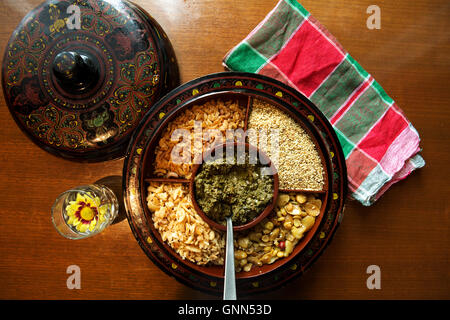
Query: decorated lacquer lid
x,y
79,75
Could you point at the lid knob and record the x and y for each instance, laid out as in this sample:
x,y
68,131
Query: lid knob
x,y
74,71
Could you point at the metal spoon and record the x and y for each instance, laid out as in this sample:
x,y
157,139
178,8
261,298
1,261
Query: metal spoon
x,y
229,289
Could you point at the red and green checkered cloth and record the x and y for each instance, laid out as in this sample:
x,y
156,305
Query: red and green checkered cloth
x,y
380,145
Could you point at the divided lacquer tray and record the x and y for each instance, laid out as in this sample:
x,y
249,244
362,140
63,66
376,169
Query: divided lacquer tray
x,y
244,88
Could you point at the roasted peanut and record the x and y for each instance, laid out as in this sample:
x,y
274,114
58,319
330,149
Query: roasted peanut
x,y
269,225
243,262
247,267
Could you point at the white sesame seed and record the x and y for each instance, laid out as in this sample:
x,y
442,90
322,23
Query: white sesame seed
x,y
299,164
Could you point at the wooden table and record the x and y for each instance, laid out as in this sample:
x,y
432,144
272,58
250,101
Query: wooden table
x,y
406,233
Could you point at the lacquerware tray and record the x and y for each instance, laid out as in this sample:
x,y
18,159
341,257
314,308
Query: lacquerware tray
x,y
244,88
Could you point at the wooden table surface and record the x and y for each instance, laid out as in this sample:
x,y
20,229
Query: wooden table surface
x,y
406,233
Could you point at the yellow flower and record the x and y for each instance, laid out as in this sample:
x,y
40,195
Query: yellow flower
x,y
86,213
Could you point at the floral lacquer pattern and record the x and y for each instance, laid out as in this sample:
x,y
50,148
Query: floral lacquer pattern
x,y
99,125
28,96
57,127
140,80
128,40
24,52
102,17
53,18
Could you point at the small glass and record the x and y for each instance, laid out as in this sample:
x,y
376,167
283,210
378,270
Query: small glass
x,y
84,211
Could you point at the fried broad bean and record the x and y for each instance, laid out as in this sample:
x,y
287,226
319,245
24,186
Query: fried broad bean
x,y
288,225
255,236
289,207
289,247
296,211
240,255
298,232
266,258
312,207
244,242
276,236
300,198
308,222
282,200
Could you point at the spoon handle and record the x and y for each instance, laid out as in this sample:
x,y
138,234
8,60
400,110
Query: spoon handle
x,y
229,290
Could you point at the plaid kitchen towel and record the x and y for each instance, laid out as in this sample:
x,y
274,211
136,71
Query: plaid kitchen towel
x,y
380,145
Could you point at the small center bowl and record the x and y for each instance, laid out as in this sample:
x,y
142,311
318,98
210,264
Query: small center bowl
x,y
263,158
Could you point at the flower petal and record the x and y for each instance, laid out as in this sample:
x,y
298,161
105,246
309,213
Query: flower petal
x,y
96,201
104,209
71,209
80,198
71,220
93,225
83,227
